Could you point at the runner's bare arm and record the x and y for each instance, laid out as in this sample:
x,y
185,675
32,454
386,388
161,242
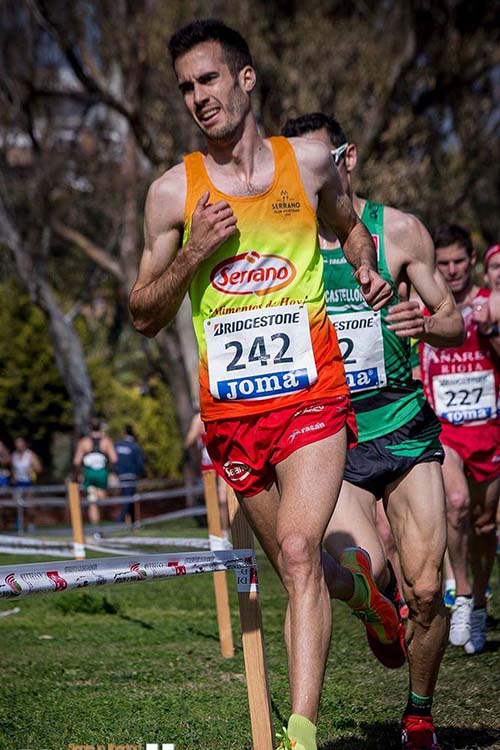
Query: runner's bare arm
x,y
334,208
444,327
37,464
487,318
166,271
81,448
110,451
194,432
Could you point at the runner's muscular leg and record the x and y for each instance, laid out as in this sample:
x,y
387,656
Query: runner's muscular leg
x,y
384,531
419,528
308,499
290,524
482,540
261,511
353,524
458,514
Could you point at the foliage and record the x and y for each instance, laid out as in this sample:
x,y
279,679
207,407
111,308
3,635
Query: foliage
x,y
91,114
33,400
149,410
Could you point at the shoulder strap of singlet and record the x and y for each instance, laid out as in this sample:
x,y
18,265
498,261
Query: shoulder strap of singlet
x,y
195,185
288,169
374,214
373,217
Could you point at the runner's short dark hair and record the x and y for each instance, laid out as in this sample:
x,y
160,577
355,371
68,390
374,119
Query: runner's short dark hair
x,y
95,424
449,234
235,48
314,121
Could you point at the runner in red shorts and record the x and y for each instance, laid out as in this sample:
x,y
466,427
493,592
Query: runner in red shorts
x,y
237,227
462,384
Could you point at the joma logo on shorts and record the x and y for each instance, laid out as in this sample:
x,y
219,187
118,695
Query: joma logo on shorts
x,y
253,273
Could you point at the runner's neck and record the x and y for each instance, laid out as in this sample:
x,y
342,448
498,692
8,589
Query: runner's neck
x,y
241,157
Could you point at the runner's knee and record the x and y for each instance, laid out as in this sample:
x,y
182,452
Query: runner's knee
x,y
299,556
424,595
457,505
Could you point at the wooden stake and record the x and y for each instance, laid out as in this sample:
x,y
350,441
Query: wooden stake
x,y
220,579
75,511
253,639
137,514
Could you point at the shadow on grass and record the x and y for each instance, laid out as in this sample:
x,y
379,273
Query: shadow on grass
x,y
492,646
493,622
386,736
201,634
142,623
86,603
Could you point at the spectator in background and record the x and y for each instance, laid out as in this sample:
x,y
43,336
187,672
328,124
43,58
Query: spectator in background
x,y
96,455
130,468
25,464
491,262
5,462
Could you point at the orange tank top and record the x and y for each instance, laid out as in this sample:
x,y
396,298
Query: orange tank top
x,y
264,337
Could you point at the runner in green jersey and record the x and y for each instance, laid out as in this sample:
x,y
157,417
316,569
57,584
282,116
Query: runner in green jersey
x,y
398,456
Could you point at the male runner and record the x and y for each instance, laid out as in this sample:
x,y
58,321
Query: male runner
x,y
237,226
95,456
462,384
398,455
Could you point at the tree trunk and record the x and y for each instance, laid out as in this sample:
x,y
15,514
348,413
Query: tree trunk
x,y
68,350
189,346
177,376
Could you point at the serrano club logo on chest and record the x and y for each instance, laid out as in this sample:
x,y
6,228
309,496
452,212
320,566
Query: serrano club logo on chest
x,y
253,273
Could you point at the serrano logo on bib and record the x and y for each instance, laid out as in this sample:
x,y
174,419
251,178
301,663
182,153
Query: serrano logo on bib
x,y
253,273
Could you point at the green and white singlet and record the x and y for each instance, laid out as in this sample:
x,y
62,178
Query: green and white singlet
x,y
378,369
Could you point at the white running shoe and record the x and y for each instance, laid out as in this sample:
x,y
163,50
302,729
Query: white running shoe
x,y
460,625
477,640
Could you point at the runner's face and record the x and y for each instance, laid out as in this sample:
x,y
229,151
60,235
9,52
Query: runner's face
x,y
215,100
323,135
493,272
456,266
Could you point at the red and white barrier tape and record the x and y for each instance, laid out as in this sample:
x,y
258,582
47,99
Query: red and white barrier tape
x,y
37,578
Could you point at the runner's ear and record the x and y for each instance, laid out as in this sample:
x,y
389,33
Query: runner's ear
x,y
247,78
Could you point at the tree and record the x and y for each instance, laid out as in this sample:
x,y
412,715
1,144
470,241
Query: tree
x,y
66,345
33,400
91,115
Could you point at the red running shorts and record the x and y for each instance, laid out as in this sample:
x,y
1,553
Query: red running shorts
x,y
477,445
245,451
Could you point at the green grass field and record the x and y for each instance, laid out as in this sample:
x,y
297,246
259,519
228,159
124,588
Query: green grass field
x,y
141,663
